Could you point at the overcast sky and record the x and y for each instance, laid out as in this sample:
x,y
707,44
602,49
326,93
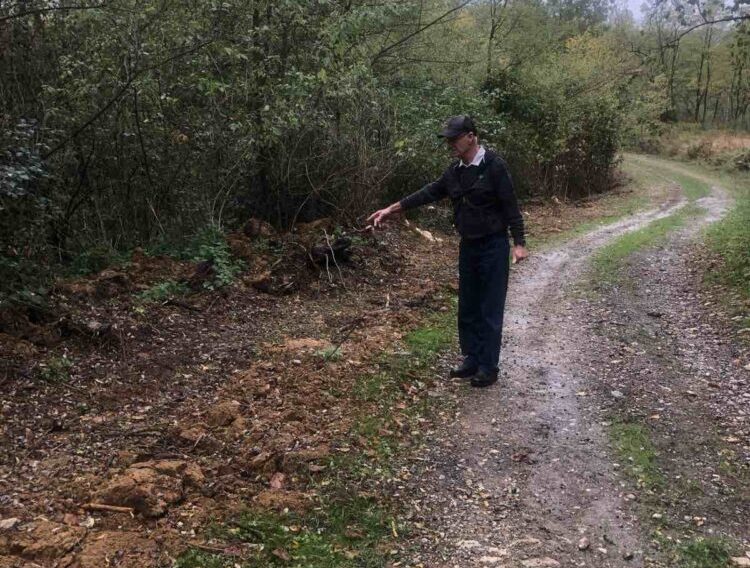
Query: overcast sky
x,y
635,7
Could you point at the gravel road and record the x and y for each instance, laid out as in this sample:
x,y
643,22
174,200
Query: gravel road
x,y
525,475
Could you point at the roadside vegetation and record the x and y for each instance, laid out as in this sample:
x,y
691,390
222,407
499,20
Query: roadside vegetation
x,y
729,240
128,125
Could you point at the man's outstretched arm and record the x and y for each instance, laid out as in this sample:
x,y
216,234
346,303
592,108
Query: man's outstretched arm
x,y
431,192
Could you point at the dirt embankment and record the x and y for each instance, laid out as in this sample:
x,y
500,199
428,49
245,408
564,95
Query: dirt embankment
x,y
126,425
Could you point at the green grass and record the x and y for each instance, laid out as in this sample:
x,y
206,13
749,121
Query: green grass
x,y
651,170
633,444
608,261
330,353
730,240
705,553
694,188
436,336
343,532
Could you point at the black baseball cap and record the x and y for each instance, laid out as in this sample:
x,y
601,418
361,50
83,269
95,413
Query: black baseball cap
x,y
457,125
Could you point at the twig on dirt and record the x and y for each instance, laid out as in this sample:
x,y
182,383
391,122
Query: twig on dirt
x,y
307,252
350,327
198,441
215,549
211,305
112,508
330,278
181,304
122,345
333,257
138,432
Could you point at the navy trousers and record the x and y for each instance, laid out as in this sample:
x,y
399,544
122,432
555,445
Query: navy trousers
x,y
483,266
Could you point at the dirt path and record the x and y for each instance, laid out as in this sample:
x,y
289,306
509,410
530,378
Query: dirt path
x,y
526,476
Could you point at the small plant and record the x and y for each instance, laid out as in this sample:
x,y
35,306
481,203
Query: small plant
x,y
330,353
340,533
55,370
211,245
705,553
163,291
95,259
200,559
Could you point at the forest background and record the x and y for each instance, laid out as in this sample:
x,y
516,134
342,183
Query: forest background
x,y
163,124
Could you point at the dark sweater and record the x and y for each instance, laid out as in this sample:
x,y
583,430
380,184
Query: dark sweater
x,y
484,202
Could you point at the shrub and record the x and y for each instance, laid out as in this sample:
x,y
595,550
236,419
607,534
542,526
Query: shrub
x,y
563,131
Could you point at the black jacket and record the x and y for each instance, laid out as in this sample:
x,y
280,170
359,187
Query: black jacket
x,y
483,199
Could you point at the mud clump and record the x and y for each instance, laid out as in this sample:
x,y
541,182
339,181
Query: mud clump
x,y
299,461
223,414
43,541
128,548
279,501
150,488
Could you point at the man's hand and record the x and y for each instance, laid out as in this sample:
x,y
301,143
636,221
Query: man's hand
x,y
381,215
518,253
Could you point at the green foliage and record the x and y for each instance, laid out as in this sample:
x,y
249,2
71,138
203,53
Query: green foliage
x,y
563,129
730,240
291,110
55,369
211,245
705,553
95,259
162,291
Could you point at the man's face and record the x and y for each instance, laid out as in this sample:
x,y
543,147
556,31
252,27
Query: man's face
x,y
461,144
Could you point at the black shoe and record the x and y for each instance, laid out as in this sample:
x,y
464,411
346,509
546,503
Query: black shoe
x,y
463,371
482,379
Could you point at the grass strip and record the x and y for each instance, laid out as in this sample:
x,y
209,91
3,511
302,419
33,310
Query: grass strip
x,y
608,261
694,185
730,240
633,444
705,553
342,533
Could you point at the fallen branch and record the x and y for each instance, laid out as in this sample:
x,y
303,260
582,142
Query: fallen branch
x,y
112,508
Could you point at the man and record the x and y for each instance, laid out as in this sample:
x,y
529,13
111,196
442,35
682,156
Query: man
x,y
485,207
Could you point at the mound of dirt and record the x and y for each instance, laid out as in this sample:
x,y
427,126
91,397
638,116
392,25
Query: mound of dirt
x,y
151,487
41,541
122,549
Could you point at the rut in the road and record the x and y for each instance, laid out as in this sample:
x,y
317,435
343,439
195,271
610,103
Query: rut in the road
x,y
525,473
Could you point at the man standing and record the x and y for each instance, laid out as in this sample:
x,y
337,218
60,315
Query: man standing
x,y
485,207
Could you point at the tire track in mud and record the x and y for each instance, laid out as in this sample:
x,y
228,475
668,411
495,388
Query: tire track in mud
x,y
524,477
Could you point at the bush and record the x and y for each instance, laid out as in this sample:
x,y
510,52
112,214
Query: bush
x,y
562,134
